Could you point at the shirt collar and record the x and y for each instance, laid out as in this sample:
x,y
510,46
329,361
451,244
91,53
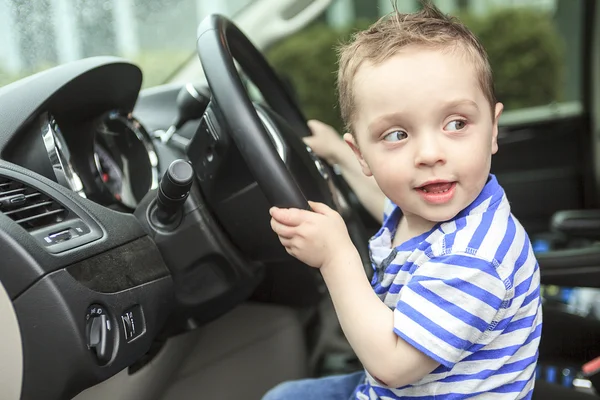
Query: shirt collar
x,y
488,200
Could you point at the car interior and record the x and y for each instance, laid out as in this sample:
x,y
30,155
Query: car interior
x,y
138,260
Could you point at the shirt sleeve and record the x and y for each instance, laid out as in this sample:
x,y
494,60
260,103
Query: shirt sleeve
x,y
448,304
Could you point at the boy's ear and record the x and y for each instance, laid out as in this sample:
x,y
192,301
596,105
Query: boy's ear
x,y
351,141
497,113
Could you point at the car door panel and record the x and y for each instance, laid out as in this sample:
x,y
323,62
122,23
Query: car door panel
x,y
541,166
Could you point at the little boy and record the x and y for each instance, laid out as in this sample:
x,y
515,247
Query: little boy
x,y
453,310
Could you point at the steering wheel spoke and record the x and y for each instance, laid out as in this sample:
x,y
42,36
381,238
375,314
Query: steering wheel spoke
x,y
210,144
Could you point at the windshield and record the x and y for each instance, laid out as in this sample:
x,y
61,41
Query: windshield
x,y
157,35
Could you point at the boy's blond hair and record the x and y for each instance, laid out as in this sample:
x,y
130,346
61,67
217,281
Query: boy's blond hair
x,y
429,27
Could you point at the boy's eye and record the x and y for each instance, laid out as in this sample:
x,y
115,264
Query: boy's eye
x,y
455,125
395,136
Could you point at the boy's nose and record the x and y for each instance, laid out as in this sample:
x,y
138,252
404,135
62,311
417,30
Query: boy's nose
x,y
429,152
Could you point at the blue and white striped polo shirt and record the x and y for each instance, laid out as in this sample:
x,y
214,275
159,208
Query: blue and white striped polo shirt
x,y
467,294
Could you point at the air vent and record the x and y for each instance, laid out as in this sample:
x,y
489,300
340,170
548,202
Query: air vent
x,y
28,207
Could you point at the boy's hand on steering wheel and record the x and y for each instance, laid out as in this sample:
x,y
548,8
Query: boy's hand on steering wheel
x,y
313,237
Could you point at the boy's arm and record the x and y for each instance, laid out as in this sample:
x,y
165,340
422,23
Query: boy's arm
x,y
320,240
369,325
327,144
441,312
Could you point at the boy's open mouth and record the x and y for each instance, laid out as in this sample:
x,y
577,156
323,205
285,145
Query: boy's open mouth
x,y
437,192
438,187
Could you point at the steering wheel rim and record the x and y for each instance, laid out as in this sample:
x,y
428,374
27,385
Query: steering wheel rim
x,y
220,41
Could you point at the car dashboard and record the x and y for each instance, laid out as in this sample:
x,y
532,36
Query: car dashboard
x,y
96,148
92,284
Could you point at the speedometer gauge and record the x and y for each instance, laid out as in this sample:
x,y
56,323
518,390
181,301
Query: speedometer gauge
x,y
110,172
125,162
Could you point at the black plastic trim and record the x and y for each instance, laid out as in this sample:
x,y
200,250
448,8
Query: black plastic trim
x,y
572,268
577,223
52,320
130,265
76,90
32,257
203,262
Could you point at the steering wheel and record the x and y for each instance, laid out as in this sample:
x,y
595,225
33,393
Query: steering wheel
x,y
268,139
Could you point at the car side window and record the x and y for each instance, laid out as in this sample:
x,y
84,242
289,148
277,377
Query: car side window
x,y
534,46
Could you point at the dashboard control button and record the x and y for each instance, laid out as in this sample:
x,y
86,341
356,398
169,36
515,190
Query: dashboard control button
x,y
70,229
99,333
58,237
80,227
133,323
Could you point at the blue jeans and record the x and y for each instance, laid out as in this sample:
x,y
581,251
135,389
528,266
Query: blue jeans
x,y
338,387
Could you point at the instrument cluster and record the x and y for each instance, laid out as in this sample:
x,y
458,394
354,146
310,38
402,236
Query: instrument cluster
x,y
118,165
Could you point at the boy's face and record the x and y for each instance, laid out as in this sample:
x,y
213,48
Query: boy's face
x,y
425,131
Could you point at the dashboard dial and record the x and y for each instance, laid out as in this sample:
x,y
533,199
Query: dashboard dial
x,y
125,161
110,172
